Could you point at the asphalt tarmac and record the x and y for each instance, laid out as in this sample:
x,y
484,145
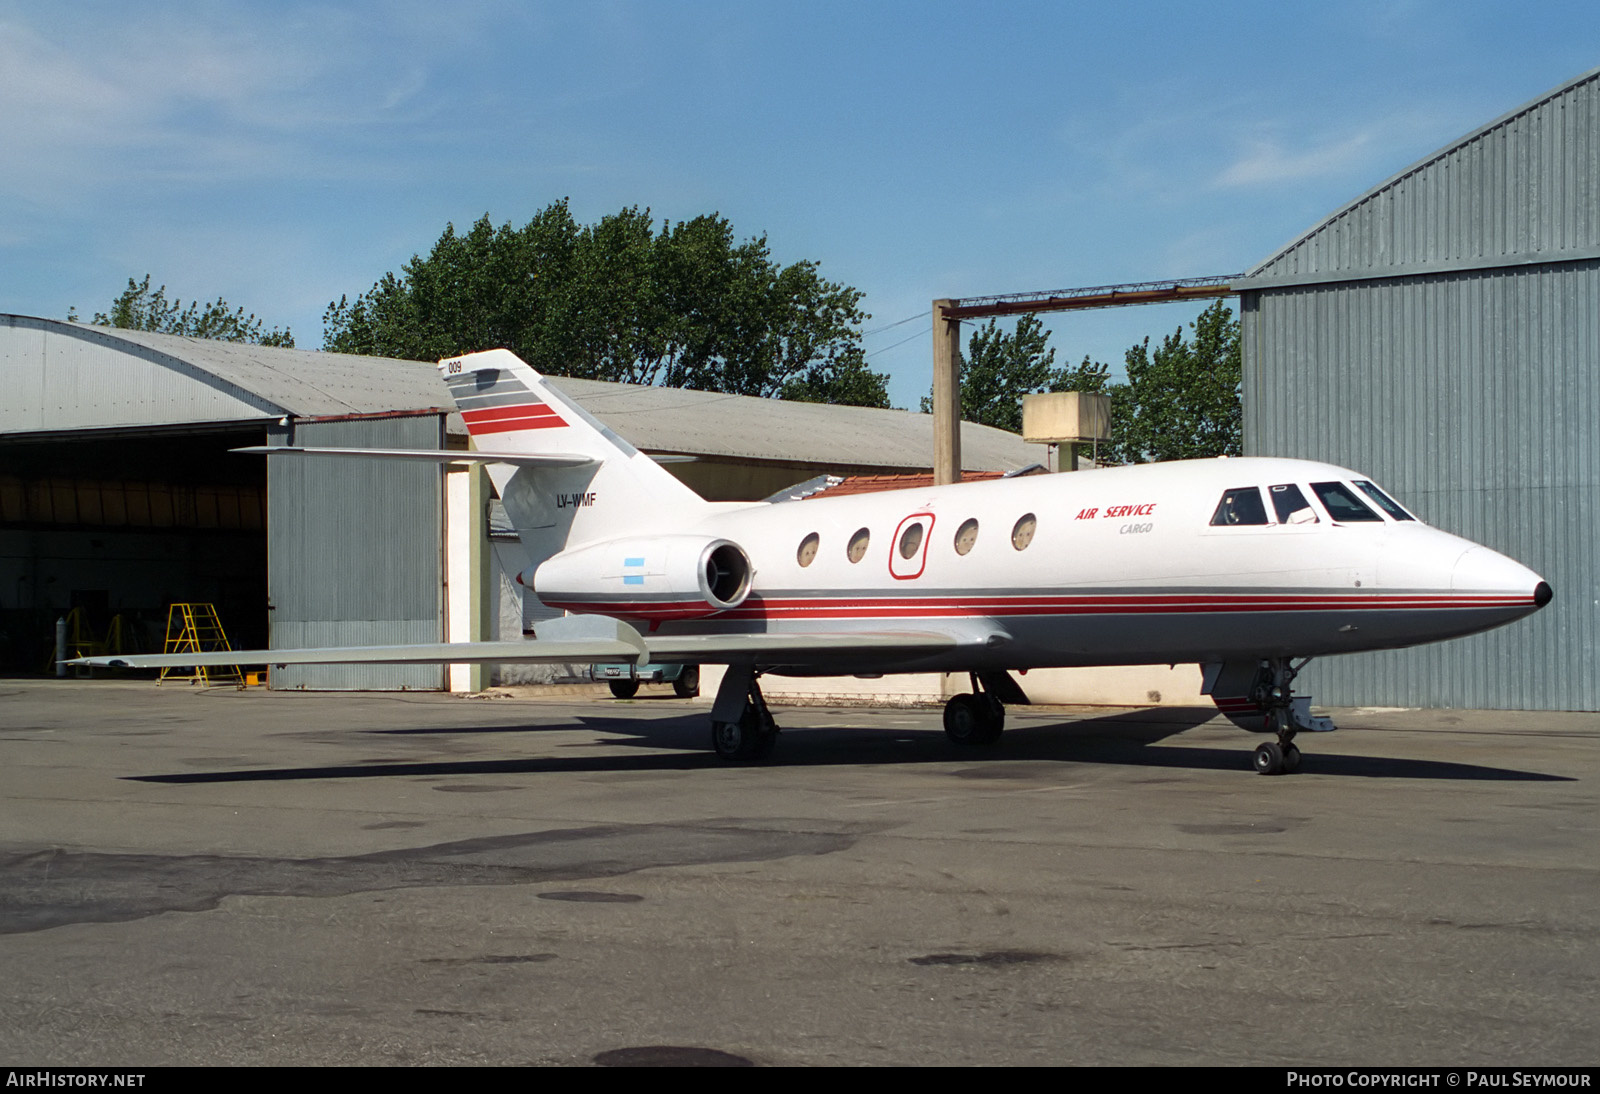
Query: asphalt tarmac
x,y
226,877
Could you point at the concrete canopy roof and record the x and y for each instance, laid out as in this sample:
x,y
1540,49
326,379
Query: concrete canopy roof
x,y
63,377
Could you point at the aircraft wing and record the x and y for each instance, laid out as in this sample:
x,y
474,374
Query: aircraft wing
x,y
454,653
575,638
790,649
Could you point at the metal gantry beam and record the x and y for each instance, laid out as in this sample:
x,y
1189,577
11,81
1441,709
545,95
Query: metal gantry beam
x,y
947,316
1097,296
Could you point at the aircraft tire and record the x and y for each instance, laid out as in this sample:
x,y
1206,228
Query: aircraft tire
x,y
624,689
1291,759
1269,759
973,720
743,740
687,685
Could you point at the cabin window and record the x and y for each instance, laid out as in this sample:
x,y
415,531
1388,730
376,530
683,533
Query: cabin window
x,y
1385,502
966,536
1291,505
1022,533
1241,505
808,550
857,550
1342,504
911,540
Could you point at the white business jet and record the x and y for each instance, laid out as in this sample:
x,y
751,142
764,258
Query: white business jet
x,y
1249,567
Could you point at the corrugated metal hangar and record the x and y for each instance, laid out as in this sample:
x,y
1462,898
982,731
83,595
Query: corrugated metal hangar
x,y
119,496
1442,333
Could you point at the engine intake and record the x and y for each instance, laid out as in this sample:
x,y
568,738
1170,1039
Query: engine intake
x,y
657,578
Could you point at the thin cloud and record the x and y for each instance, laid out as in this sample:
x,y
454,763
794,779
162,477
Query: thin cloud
x,y
166,100
1267,162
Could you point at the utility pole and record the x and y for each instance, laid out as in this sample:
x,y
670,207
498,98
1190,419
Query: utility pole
x,y
946,395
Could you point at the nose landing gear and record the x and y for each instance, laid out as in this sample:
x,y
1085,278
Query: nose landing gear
x,y
1277,758
1257,696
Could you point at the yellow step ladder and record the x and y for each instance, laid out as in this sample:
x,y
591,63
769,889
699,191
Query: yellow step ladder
x,y
195,628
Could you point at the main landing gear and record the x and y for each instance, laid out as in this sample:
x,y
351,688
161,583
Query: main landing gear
x,y
979,717
1257,696
742,728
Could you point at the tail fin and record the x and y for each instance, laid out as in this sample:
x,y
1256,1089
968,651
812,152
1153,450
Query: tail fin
x,y
508,407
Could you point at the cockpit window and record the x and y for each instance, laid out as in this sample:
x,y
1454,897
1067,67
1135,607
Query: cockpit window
x,y
1342,504
1291,505
1241,505
1385,502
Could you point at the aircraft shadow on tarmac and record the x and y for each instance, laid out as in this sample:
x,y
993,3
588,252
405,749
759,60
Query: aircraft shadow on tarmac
x,y
1125,738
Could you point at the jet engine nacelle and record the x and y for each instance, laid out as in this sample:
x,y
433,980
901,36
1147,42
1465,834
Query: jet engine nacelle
x,y
658,577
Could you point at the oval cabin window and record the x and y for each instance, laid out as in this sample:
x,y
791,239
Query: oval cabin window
x,y
808,550
1022,534
858,545
966,536
911,540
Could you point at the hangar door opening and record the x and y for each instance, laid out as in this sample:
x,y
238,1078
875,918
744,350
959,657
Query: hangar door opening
x,y
109,528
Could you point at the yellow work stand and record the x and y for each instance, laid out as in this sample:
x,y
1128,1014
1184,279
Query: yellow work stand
x,y
195,628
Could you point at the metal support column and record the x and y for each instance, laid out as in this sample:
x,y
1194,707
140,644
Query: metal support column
x,y
946,394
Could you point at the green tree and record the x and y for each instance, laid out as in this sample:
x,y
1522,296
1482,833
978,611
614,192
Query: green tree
x,y
684,306
844,380
1181,402
1000,367
142,308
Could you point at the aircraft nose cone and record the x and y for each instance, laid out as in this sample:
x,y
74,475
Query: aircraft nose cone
x,y
1480,570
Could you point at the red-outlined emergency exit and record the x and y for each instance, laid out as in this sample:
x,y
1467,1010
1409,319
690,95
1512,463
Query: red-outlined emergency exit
x,y
908,553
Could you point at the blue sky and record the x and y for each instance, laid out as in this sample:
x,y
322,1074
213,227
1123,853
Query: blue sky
x,y
283,154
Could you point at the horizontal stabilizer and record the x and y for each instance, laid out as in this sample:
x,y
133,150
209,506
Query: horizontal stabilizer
x,y
433,455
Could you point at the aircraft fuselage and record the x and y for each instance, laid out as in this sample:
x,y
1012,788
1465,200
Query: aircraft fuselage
x,y
1117,566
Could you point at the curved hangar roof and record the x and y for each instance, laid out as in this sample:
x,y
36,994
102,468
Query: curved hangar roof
x,y
64,377
1516,190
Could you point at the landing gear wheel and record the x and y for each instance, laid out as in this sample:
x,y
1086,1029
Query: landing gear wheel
x,y
1269,759
973,720
687,685
1291,759
624,689
742,727
747,739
